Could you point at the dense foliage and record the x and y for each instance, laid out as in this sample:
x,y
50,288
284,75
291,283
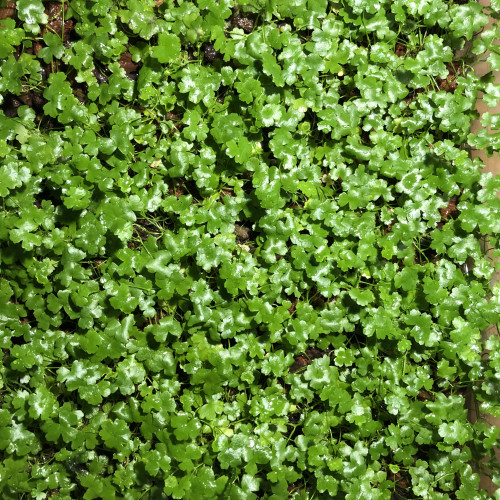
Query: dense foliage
x,y
241,249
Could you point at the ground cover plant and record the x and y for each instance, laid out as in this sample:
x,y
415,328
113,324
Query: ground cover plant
x,y
241,249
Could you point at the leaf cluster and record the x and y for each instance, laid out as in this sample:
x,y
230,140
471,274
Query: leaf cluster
x,y
242,249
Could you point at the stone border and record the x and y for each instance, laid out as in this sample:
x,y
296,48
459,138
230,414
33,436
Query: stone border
x,y
491,165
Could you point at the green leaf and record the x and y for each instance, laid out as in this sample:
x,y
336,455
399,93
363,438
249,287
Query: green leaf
x,y
128,373
43,404
62,104
54,47
63,425
362,297
157,459
116,436
12,71
16,438
32,13
423,331
455,432
210,410
168,48
12,176
12,37
185,426
467,19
